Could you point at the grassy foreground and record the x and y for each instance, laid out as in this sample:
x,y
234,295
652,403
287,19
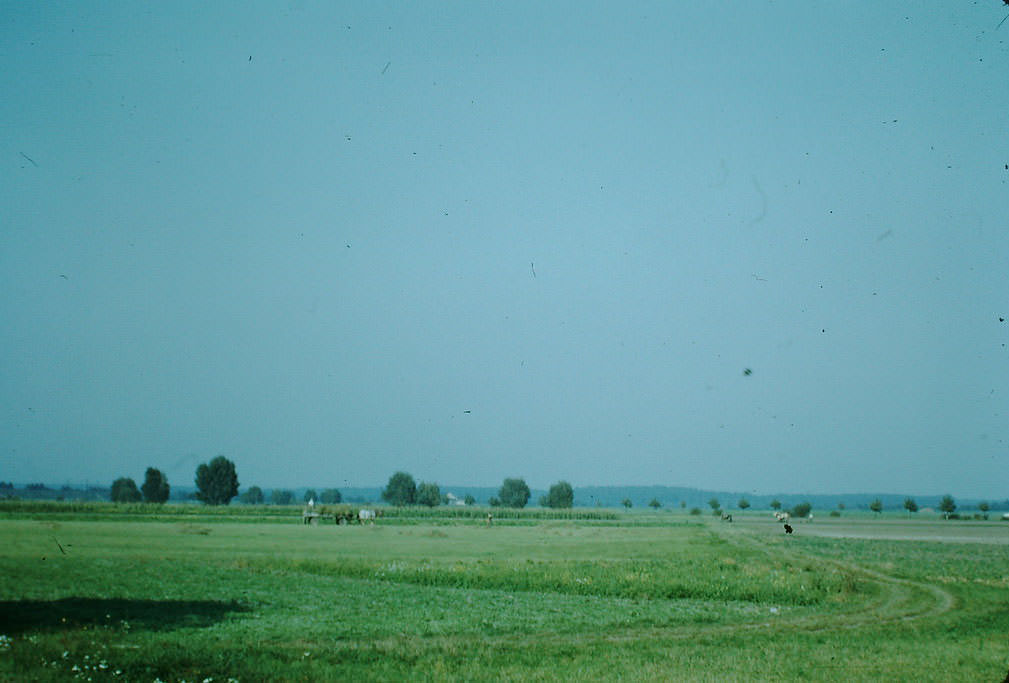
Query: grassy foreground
x,y
189,599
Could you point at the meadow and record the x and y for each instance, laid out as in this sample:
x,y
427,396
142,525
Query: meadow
x,y
144,593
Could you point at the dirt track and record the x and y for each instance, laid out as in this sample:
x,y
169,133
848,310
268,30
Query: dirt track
x,y
938,531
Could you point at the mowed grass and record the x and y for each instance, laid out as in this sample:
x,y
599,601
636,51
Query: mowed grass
x,y
118,599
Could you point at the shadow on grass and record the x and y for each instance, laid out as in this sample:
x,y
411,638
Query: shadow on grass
x,y
17,616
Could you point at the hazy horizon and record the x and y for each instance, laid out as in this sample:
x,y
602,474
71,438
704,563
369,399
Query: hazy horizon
x,y
753,247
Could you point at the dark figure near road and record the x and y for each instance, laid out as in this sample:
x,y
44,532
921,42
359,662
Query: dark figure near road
x,y
788,528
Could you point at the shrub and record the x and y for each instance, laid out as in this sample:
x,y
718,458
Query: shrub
x,y
801,510
561,495
428,494
514,493
124,490
401,490
281,497
252,496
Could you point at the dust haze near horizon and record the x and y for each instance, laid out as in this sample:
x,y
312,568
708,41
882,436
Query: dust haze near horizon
x,y
755,247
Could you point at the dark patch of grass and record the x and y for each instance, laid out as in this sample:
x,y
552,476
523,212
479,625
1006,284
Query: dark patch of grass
x,y
67,614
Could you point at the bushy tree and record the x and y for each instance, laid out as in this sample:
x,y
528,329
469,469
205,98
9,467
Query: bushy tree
x,y
984,507
216,481
281,496
743,503
715,505
310,494
947,505
876,506
561,495
469,500
401,490
801,510
155,487
124,490
654,503
514,493
252,496
910,505
331,496
627,503
695,511
428,494
494,502
775,504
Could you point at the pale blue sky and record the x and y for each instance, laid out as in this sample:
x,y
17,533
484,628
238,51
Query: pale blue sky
x,y
311,236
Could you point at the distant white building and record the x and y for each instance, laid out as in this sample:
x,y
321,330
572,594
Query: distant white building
x,y
453,499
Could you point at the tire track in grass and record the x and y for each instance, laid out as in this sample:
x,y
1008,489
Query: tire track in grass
x,y
898,604
899,601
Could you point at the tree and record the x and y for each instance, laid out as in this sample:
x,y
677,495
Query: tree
x,y
801,510
947,505
876,506
216,482
310,494
840,506
775,504
124,490
252,496
494,502
561,495
910,505
330,496
281,497
683,505
743,503
627,503
654,503
984,508
715,505
401,490
514,493
428,494
155,487
469,500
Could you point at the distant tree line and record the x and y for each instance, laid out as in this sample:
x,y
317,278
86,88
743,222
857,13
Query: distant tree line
x,y
402,489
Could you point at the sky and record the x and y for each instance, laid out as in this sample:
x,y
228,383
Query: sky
x,y
755,246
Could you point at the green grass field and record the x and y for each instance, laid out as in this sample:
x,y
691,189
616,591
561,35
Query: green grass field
x,y
148,593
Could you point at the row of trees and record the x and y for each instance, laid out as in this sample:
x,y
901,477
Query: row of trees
x,y
514,493
155,488
255,496
216,484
